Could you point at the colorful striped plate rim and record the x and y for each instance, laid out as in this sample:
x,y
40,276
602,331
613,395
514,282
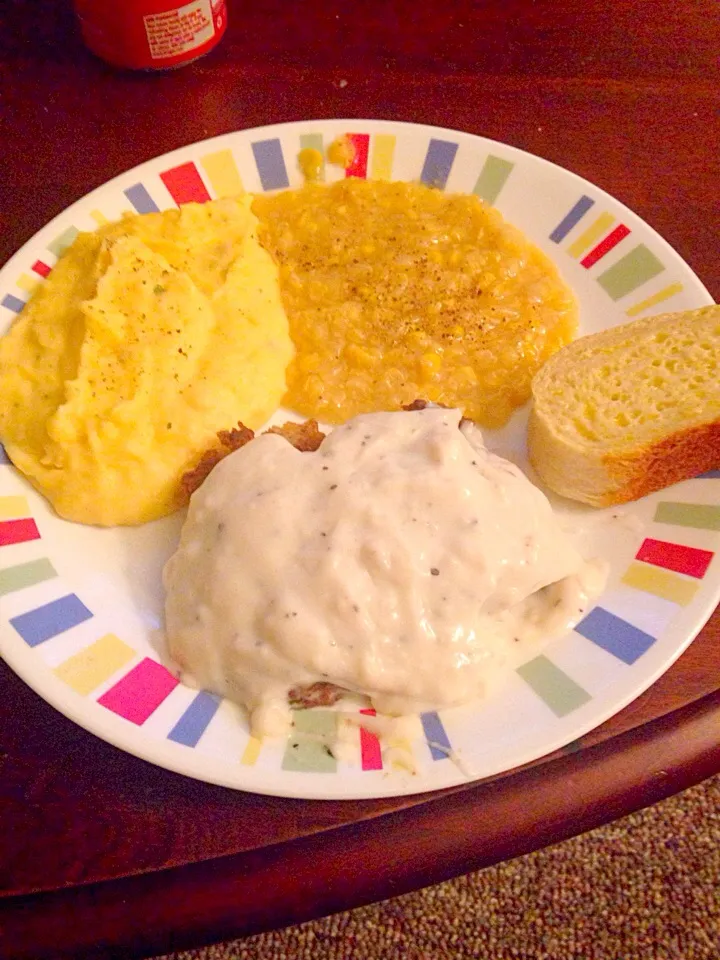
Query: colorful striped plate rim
x,y
98,666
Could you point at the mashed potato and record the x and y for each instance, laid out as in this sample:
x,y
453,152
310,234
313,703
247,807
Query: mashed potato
x,y
149,336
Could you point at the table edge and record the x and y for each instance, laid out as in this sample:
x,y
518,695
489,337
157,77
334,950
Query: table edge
x,y
242,894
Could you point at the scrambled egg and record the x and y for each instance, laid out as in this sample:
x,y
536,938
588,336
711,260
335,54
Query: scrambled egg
x,y
149,336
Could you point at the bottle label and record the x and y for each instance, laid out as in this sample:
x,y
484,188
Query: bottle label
x,y
179,31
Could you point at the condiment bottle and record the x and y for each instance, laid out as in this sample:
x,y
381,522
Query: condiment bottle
x,y
151,34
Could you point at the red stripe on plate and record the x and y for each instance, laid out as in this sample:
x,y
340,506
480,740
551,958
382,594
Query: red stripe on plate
x,y
370,747
185,184
42,269
361,148
18,531
605,246
675,556
140,692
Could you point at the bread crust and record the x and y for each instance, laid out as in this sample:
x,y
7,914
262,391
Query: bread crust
x,y
680,456
603,479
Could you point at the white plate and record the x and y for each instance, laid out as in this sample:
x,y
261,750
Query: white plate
x,y
78,606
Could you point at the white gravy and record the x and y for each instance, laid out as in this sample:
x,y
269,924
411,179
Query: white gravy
x,y
402,561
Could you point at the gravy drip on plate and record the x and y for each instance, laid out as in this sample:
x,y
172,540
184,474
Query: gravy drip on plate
x,y
402,561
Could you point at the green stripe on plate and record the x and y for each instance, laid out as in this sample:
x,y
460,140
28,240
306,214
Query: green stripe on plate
x,y
308,748
25,575
702,516
314,141
555,688
492,179
635,268
61,243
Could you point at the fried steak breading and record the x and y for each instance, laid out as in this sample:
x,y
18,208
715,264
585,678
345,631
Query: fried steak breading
x,y
305,437
320,694
230,440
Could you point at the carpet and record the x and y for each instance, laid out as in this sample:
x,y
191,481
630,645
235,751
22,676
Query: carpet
x,y
643,888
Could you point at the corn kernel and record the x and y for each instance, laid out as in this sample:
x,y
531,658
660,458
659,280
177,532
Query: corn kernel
x,y
430,364
359,357
433,393
309,362
416,339
466,376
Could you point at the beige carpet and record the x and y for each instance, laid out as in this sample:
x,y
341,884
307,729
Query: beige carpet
x,y
644,888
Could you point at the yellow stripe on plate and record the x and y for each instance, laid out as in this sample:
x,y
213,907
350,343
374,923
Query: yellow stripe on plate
x,y
661,583
222,173
656,298
251,751
383,152
12,508
99,218
402,746
27,283
95,664
591,235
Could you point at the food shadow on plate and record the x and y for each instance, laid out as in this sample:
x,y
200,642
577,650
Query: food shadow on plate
x,y
144,551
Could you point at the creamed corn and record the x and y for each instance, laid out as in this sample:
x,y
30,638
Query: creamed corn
x,y
396,291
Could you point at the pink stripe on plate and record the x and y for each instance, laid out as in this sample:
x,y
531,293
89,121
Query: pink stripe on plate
x,y
361,148
18,531
42,269
185,184
140,692
370,751
675,556
605,246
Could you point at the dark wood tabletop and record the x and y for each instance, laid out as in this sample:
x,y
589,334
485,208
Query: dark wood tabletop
x,y
102,854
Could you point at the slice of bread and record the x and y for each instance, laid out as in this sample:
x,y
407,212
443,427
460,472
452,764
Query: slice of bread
x,y
633,409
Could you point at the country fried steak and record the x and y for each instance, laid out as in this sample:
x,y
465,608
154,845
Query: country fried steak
x,y
305,437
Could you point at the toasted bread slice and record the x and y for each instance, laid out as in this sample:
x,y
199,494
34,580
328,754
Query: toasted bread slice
x,y
618,414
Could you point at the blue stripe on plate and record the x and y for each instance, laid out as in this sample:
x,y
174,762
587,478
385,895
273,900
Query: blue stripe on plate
x,y
570,219
4,458
194,722
13,303
141,199
435,735
617,636
438,163
270,164
39,625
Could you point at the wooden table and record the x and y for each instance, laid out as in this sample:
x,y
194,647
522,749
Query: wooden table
x,y
104,855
